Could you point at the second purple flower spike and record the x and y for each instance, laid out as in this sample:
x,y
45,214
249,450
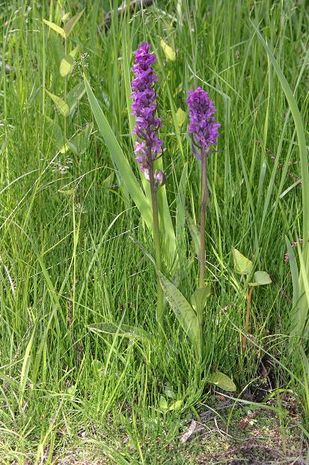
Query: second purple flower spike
x,y
148,146
203,125
205,131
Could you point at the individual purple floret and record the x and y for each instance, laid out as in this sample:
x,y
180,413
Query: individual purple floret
x,y
203,125
148,146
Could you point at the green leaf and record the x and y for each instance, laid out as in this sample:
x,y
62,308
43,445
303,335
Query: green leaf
x,y
261,278
131,332
55,28
169,52
163,403
61,105
183,311
242,264
194,234
74,96
66,66
67,62
222,381
120,161
54,131
180,117
65,148
80,142
68,27
175,406
199,298
181,241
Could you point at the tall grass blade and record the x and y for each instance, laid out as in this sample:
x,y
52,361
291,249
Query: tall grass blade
x,y
300,313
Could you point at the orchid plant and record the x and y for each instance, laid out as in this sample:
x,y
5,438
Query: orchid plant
x,y
148,148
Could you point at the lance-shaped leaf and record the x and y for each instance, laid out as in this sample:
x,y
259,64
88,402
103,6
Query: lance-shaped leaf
x,y
61,105
222,381
180,117
74,96
68,27
130,332
55,28
124,169
199,298
67,63
184,312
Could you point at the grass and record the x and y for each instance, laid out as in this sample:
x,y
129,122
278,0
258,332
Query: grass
x,y
69,235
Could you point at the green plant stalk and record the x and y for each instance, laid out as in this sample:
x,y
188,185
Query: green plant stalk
x,y
247,324
65,93
156,242
204,203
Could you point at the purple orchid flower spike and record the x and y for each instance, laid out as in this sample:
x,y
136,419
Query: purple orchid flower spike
x,y
203,125
148,146
205,132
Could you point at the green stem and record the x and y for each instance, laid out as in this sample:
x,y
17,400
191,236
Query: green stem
x,y
204,202
156,241
65,94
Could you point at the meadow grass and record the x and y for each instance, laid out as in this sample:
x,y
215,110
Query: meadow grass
x,y
70,237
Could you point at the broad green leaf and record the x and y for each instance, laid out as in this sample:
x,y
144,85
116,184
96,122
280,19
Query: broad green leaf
x,y
163,403
181,241
169,52
131,332
67,62
168,239
261,278
54,131
222,381
61,105
175,406
68,27
65,148
66,66
242,264
74,96
180,117
80,142
199,298
55,28
183,311
120,161
194,234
